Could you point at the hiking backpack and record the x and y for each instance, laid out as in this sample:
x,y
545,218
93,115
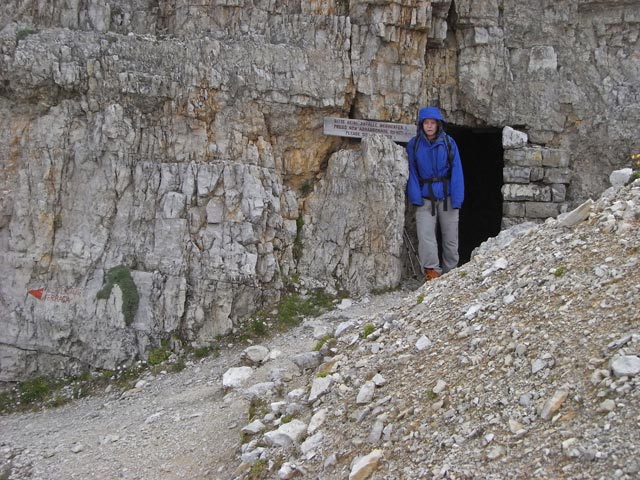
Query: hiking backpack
x,y
430,181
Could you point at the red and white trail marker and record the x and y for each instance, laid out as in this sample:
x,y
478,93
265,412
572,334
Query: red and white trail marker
x,y
37,293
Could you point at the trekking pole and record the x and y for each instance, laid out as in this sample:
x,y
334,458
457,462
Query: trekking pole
x,y
413,256
411,262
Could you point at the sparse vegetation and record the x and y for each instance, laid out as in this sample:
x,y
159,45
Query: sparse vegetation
x,y
6,402
42,392
306,188
24,33
294,307
320,343
382,291
420,298
257,409
292,281
35,390
258,470
636,167
158,355
125,377
297,243
178,365
206,351
560,271
287,313
286,419
368,329
258,327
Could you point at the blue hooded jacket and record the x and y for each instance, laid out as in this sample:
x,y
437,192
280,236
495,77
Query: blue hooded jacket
x,y
431,161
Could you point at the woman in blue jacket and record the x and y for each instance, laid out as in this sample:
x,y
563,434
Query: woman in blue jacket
x,y
436,187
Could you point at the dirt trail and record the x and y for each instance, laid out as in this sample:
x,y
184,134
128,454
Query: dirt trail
x,y
178,425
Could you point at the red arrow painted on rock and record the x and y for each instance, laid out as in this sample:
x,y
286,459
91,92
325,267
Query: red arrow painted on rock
x,y
37,293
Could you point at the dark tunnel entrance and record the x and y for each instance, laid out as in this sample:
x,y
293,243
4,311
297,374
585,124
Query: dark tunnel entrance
x,y
481,214
482,162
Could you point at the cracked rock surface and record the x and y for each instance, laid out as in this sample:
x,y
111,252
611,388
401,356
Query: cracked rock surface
x,y
184,140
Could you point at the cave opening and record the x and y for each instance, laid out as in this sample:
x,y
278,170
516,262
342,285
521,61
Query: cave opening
x,y
482,163
481,153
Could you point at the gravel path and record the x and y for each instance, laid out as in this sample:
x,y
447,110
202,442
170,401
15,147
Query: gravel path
x,y
177,425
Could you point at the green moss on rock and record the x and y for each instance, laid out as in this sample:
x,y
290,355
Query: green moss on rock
x,y
121,276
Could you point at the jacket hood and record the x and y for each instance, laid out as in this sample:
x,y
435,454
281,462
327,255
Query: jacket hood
x,y
430,112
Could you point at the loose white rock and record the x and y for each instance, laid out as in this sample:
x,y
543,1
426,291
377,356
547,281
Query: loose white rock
x,y
77,447
537,365
625,365
307,360
473,311
311,443
378,380
317,420
255,354
620,177
345,303
577,215
286,434
319,387
365,395
254,427
440,386
259,390
607,406
235,377
363,467
495,452
552,405
423,342
341,328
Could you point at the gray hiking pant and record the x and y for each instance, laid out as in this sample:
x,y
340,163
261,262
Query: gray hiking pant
x,y
426,225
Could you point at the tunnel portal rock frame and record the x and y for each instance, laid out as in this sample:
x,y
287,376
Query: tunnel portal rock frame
x,y
507,180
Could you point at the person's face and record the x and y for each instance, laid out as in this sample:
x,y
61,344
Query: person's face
x,y
430,127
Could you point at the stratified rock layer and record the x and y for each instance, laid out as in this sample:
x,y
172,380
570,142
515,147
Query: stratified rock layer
x,y
184,141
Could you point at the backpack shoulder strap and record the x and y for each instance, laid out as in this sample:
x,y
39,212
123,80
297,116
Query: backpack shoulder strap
x,y
447,143
449,150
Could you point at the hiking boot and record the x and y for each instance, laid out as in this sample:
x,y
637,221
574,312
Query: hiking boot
x,y
430,274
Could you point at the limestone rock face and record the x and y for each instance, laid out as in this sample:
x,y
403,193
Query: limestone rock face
x,y
352,234
183,141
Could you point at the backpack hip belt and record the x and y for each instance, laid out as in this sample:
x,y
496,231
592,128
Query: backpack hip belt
x,y
432,196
